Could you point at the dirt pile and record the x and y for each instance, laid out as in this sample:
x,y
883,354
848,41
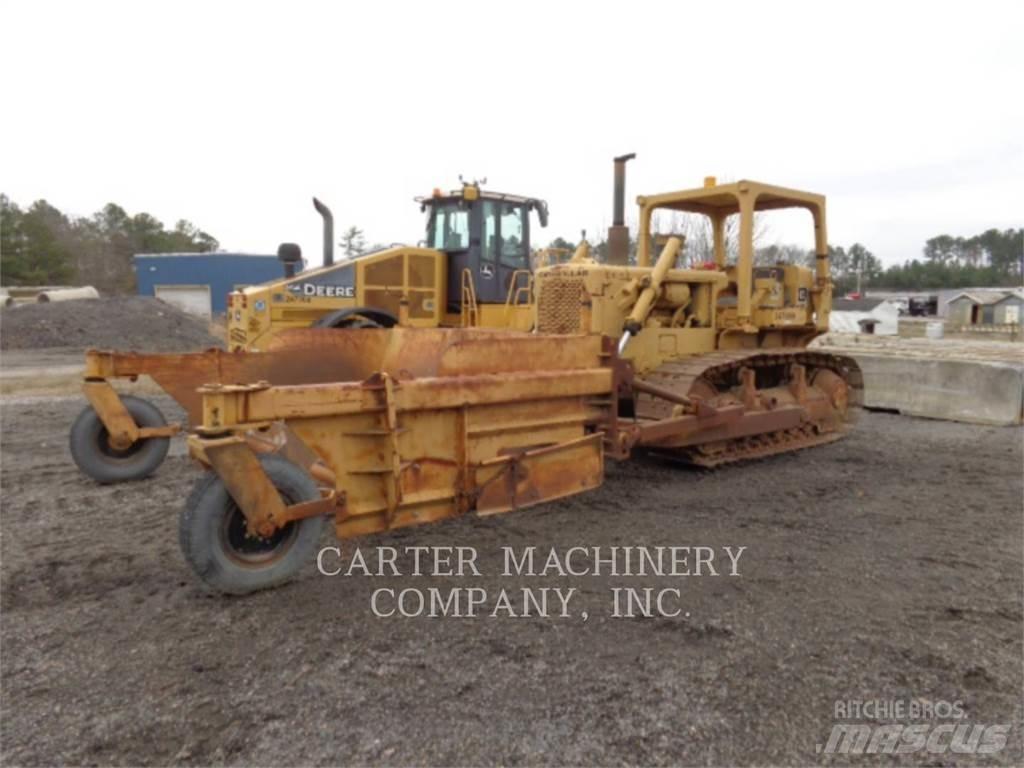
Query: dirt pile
x,y
136,323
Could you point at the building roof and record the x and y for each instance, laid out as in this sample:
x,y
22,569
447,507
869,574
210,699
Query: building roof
x,y
855,305
1016,293
893,295
980,297
221,254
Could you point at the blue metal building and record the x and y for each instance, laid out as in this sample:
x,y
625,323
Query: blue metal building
x,y
200,282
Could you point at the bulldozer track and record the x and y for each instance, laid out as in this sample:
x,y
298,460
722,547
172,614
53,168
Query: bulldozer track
x,y
718,372
712,455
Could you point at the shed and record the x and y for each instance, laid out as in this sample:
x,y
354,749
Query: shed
x,y
878,316
973,307
1010,309
200,282
943,297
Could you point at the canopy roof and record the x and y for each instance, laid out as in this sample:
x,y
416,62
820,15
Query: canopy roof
x,y
724,198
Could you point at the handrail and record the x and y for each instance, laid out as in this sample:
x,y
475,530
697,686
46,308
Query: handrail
x,y
515,291
468,310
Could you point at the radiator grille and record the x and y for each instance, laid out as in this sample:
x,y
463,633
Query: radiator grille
x,y
558,308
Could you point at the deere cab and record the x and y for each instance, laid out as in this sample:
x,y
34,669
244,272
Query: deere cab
x,y
486,234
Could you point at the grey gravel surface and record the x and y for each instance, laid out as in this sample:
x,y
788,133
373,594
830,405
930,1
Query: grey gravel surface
x,y
885,566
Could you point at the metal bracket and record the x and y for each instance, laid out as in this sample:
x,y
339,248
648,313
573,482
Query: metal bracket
x,y
121,427
798,382
240,470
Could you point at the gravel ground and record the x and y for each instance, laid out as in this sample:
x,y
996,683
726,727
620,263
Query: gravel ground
x,y
127,323
885,566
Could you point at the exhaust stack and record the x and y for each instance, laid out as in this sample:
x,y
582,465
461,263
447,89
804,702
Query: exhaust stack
x,y
325,212
618,232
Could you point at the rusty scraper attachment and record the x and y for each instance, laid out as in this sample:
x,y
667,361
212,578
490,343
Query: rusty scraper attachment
x,y
503,422
421,449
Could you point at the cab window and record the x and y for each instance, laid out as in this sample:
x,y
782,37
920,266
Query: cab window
x,y
448,227
511,231
490,240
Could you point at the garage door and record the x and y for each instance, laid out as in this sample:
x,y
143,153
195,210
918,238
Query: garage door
x,y
194,299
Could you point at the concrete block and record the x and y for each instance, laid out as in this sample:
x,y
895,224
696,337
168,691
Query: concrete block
x,y
957,390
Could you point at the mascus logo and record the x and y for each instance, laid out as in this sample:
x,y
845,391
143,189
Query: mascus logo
x,y
900,739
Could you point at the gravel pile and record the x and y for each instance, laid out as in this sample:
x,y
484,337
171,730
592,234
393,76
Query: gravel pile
x,y
139,323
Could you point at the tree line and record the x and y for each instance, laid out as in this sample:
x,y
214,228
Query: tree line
x,y
994,258
41,245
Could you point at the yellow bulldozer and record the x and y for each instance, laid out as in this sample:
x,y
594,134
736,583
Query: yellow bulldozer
x,y
385,424
727,336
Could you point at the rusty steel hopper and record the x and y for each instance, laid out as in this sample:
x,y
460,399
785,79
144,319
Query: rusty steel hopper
x,y
119,438
451,421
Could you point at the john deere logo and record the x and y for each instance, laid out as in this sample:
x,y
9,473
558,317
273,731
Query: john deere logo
x,y
338,291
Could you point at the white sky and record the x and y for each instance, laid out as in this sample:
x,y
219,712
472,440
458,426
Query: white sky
x,y
232,115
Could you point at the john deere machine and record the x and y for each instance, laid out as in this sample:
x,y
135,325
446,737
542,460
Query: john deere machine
x,y
473,269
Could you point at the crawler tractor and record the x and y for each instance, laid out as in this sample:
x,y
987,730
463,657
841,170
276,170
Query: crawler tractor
x,y
707,365
726,335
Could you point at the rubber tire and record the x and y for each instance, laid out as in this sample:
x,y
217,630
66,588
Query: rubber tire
x,y
201,519
88,431
346,318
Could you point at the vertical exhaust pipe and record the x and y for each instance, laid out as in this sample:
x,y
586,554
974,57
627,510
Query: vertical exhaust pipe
x,y
325,212
619,198
618,232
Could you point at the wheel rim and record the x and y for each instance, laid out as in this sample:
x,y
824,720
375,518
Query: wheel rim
x,y
116,454
253,551
359,322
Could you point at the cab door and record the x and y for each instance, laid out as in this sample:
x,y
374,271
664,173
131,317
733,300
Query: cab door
x,y
448,230
504,250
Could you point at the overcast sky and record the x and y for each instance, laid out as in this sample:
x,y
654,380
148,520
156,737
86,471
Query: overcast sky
x,y
908,117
